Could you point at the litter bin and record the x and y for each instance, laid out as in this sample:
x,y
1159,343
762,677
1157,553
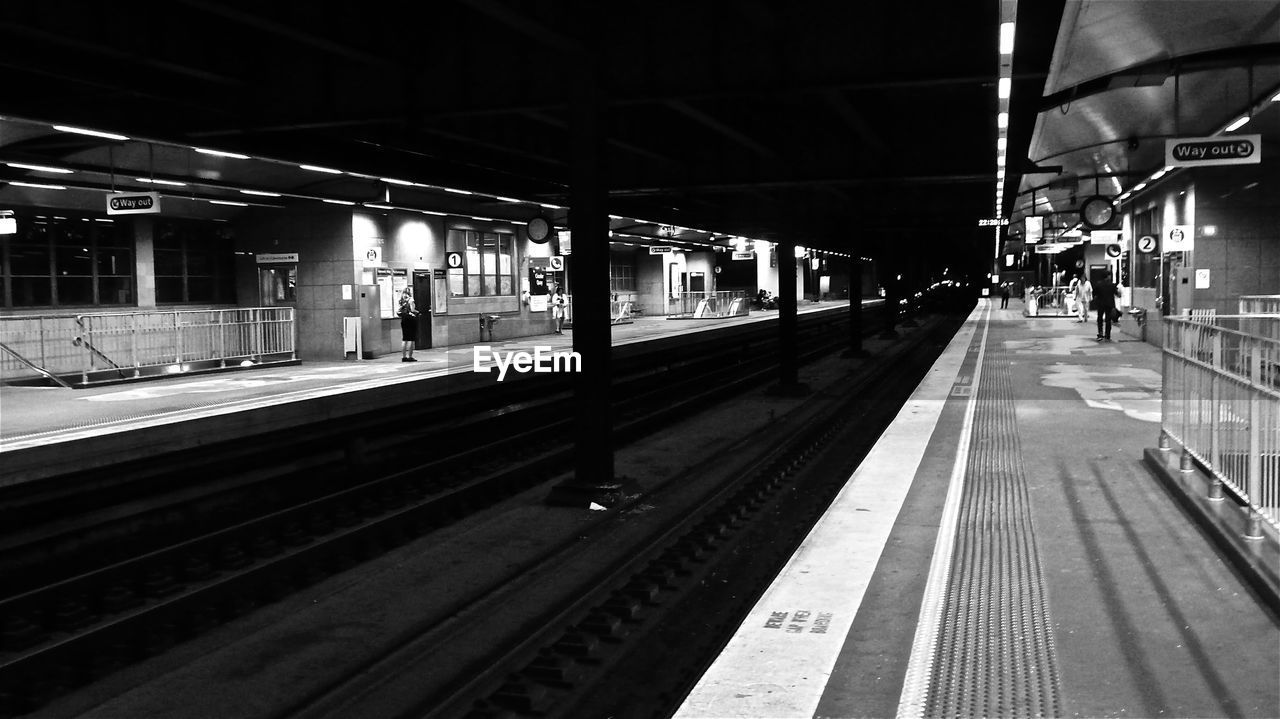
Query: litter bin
x,y
1139,315
486,325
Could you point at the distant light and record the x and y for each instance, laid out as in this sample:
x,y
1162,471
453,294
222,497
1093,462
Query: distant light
x,y
1006,38
394,181
457,192
1276,98
483,219
102,219
551,206
1138,187
9,225
336,202
220,153
506,199
92,133
247,363
160,182
1002,120
37,185
1000,174
39,168
1237,123
264,193
317,168
1000,160
378,207
1003,86
229,202
433,212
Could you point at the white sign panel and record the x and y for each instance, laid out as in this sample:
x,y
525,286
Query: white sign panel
x,y
1202,279
373,257
1221,150
744,255
276,257
1113,250
1035,229
659,249
1104,237
1179,238
555,263
133,203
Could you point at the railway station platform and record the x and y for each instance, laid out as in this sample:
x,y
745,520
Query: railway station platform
x,y
48,430
1004,551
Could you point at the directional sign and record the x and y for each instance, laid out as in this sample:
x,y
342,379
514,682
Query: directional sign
x,y
1146,243
1179,238
743,256
1221,150
556,264
659,249
1113,250
133,203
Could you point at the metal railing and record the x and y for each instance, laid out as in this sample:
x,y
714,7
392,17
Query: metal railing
x,y
1049,302
1221,390
707,305
1260,304
126,343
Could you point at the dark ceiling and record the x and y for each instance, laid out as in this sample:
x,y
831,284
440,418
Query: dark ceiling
x,y
840,125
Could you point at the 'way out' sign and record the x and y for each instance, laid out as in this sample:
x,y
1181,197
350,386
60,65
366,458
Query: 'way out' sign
x,y
133,203
1220,150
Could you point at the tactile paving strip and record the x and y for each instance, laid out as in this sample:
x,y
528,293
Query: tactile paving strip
x,y
995,654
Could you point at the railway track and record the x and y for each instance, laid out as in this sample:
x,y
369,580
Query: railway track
x,y
75,629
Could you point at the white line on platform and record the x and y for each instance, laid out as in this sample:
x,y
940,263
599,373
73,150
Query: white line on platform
x,y
779,660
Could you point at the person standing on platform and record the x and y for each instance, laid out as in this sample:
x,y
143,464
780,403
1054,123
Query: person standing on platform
x,y
1084,295
1104,296
408,324
1004,295
558,307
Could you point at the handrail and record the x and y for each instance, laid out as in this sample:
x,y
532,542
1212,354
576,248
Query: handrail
x,y
34,366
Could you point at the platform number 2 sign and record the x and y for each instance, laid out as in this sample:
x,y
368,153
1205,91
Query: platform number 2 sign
x,y
1146,243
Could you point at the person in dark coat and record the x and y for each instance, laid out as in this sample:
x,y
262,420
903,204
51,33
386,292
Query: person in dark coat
x,y
1004,295
1105,293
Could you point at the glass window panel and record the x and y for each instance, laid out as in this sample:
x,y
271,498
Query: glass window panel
x,y
72,234
506,285
473,285
75,290
115,290
490,285
168,262
32,291
169,289
110,235
29,260
199,263
456,241
36,233
166,237
200,289
73,261
490,264
115,262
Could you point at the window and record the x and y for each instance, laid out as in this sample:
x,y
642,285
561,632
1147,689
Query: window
x,y
486,263
1146,265
56,261
622,275
194,263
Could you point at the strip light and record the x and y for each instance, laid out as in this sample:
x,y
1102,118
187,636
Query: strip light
x,y
39,168
151,181
220,153
91,133
37,185
317,168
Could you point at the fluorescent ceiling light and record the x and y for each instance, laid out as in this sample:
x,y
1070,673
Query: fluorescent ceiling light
x,y
1003,86
229,202
1000,174
379,207
220,153
553,207
93,133
1006,38
38,185
506,199
317,168
1000,160
1002,143
433,212
1138,187
103,219
264,193
457,192
1002,120
336,202
394,181
1237,123
483,219
38,168
160,182
1276,98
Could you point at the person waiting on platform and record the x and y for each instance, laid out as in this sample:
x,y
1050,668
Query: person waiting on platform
x,y
558,308
1104,299
1084,296
1004,295
408,324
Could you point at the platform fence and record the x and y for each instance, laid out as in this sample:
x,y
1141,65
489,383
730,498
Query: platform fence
x,y
1260,308
708,305
1048,302
129,343
1221,403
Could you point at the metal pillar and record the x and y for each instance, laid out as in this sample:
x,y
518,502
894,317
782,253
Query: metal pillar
x,y
788,363
593,479
855,310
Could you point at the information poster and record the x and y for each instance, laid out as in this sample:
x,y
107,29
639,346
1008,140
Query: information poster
x,y
391,282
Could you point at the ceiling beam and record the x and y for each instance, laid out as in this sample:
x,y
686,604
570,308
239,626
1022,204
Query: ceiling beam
x,y
699,116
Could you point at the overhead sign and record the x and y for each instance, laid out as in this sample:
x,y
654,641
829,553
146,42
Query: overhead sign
x,y
276,258
1034,229
993,222
453,259
659,249
666,230
556,263
133,203
1147,243
1221,150
1104,237
744,255
1179,238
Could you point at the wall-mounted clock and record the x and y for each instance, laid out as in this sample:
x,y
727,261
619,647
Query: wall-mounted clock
x,y
539,229
1097,212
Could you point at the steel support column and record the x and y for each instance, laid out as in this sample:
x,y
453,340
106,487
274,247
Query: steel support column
x,y
593,479
855,310
788,362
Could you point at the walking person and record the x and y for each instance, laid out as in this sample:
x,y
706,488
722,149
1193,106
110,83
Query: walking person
x,y
1004,295
1084,295
408,324
558,308
1104,296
